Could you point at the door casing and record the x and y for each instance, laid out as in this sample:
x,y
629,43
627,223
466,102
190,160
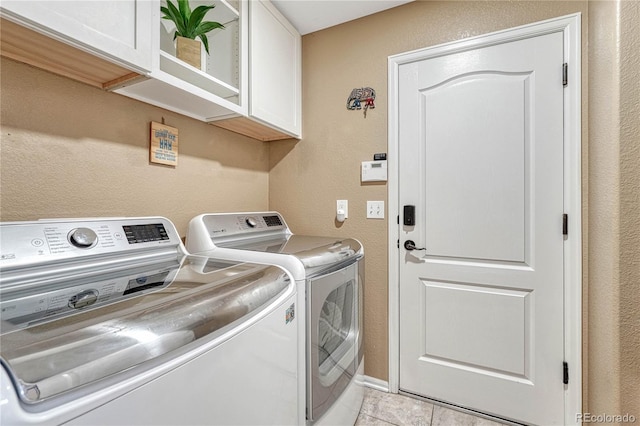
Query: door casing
x,y
570,25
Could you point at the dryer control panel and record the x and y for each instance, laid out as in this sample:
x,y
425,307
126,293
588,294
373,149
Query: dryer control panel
x,y
222,226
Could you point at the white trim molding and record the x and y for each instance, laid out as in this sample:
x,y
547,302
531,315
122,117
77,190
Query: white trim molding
x,y
377,384
570,26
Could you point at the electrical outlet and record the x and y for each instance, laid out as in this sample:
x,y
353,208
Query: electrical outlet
x,y
375,209
343,205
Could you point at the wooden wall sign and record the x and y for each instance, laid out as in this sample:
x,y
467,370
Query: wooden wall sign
x,y
163,148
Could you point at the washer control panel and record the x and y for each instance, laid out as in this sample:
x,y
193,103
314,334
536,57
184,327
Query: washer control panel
x,y
61,299
30,243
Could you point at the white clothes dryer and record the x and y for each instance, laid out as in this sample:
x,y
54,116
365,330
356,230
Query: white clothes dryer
x,y
330,276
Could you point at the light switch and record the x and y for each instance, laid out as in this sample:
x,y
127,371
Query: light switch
x,y
375,209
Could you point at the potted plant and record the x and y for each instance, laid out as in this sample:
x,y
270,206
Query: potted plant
x,y
189,25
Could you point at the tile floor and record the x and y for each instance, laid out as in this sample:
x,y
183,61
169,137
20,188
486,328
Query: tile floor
x,y
382,409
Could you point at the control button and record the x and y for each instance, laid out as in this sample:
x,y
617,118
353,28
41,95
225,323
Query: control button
x,y
37,242
84,298
83,238
251,221
118,235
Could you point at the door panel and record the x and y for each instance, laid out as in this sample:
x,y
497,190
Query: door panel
x,y
483,119
496,340
481,158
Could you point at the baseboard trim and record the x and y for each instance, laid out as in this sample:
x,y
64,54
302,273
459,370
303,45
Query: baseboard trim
x,y
377,384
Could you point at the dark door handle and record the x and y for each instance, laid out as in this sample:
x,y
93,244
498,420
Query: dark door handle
x,y
410,245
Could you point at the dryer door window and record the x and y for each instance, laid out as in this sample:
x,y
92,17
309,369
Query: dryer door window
x,y
335,327
332,344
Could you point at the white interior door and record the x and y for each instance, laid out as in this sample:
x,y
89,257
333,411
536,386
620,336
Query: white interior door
x,y
480,142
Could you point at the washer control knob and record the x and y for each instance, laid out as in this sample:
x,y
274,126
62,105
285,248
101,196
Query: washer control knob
x,y
252,222
83,238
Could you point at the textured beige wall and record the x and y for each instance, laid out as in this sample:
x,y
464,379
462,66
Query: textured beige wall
x,y
70,150
602,335
630,207
308,177
612,344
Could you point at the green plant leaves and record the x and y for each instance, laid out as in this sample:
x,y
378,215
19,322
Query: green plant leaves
x,y
172,13
205,42
197,16
204,28
189,23
185,10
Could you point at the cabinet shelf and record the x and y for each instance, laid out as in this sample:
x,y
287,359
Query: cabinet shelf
x,y
220,73
168,92
183,71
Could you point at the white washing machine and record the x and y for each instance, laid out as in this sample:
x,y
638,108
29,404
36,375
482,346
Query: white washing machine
x,y
330,275
109,322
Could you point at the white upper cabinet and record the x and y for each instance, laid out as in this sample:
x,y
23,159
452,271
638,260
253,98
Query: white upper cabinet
x,y
274,68
118,31
210,92
250,81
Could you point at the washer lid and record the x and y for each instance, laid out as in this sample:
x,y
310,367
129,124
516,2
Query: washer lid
x,y
201,299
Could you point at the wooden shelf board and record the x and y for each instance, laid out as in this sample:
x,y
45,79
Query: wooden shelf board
x,y
253,129
24,45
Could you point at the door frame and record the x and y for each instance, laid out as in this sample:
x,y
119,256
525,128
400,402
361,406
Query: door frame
x,y
570,26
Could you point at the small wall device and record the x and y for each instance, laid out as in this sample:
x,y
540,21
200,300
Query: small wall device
x,y
374,171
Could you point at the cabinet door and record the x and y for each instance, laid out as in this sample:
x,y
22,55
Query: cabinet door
x,y
274,68
119,31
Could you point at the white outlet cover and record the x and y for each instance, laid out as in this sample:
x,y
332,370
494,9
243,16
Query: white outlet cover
x,y
344,206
